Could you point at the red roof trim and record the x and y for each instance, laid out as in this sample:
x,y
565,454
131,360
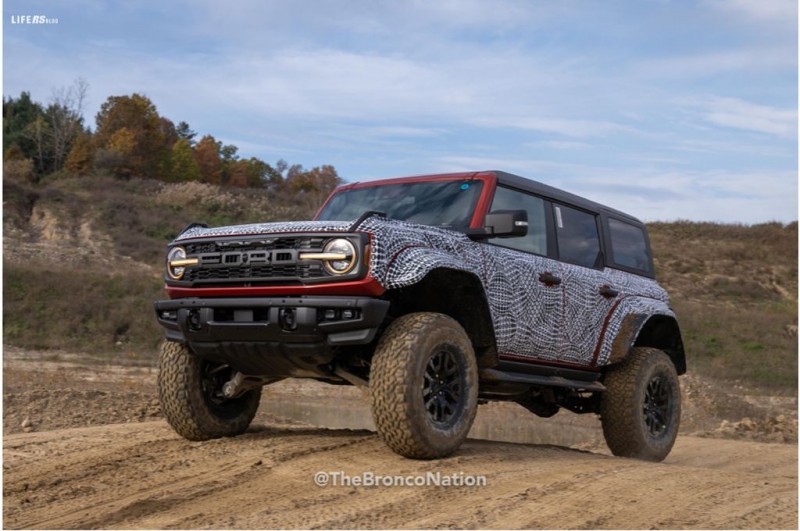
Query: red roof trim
x,y
488,177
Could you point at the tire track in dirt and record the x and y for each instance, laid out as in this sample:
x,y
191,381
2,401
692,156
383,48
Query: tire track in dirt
x,y
112,474
145,476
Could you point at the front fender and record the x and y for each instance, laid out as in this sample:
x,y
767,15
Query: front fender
x,y
404,253
412,264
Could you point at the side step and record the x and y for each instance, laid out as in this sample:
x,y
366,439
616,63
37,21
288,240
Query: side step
x,y
493,375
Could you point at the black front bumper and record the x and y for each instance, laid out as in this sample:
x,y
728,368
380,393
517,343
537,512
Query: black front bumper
x,y
277,336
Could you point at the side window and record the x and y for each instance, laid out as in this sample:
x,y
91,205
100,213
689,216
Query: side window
x,y
628,245
576,231
536,239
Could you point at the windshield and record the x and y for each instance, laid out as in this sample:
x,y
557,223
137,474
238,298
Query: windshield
x,y
437,203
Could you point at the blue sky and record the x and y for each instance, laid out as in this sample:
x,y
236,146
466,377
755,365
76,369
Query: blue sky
x,y
664,109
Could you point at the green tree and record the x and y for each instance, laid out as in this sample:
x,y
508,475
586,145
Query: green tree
x,y
227,158
227,153
185,132
17,115
45,135
262,175
183,166
271,176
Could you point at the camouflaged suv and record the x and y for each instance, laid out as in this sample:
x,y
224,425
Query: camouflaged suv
x,y
432,292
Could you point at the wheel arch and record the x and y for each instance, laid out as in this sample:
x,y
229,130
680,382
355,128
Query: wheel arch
x,y
458,294
657,331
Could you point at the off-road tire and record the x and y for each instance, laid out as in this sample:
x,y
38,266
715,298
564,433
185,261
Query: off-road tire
x,y
187,406
625,404
410,346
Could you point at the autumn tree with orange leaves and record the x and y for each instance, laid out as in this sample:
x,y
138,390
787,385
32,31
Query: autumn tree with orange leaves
x,y
131,127
131,139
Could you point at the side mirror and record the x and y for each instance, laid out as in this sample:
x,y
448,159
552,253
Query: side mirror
x,y
503,224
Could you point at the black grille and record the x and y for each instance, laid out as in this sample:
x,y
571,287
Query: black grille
x,y
267,244
253,261
267,272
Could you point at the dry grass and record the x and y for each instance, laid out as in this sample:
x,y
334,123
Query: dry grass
x,y
741,344
713,262
80,309
734,288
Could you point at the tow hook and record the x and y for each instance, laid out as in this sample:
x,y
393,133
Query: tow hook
x,y
231,388
241,383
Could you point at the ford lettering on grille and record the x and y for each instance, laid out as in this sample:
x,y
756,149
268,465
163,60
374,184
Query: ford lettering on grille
x,y
254,258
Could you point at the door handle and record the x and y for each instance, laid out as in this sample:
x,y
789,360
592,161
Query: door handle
x,y
608,292
549,279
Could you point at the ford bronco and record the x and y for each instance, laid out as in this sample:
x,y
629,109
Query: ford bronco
x,y
433,293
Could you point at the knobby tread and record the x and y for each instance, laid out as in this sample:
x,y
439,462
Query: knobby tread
x,y
180,394
396,385
621,405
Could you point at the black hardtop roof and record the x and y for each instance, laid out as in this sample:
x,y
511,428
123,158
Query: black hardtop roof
x,y
550,192
514,181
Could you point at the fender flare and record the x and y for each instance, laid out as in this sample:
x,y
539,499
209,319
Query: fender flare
x,y
644,330
458,294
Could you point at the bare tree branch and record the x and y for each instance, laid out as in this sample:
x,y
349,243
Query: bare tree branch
x,y
65,115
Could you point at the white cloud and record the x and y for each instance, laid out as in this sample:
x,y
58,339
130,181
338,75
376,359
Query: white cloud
x,y
712,195
366,17
500,14
402,132
654,159
561,126
740,114
709,64
728,147
561,144
784,11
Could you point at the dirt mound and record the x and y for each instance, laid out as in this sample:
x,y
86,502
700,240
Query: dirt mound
x,y
736,412
775,428
49,409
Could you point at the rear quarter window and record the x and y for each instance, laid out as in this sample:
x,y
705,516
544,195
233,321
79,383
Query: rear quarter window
x,y
576,232
629,246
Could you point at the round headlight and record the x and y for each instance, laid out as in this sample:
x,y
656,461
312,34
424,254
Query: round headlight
x,y
177,253
343,247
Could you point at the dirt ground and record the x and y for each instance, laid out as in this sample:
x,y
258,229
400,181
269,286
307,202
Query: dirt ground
x,y
84,446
